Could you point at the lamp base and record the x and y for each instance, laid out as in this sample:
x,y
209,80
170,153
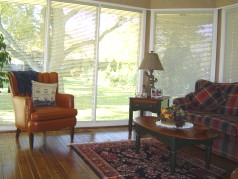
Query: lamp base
x,y
150,83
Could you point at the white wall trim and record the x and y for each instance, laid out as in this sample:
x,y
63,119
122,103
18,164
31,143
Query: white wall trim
x,y
214,46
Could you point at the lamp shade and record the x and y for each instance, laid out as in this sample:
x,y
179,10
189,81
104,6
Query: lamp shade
x,y
151,61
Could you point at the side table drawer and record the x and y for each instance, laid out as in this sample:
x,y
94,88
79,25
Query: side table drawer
x,y
143,106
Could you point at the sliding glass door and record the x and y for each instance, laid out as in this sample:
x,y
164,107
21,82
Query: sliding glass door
x,y
95,49
117,62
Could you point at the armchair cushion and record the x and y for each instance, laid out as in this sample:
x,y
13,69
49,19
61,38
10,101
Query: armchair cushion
x,y
45,113
43,94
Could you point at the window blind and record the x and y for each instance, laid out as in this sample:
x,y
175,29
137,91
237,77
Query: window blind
x,y
229,67
93,48
183,41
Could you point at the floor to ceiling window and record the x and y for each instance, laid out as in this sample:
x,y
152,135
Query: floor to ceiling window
x,y
229,53
184,41
117,65
96,55
93,46
22,24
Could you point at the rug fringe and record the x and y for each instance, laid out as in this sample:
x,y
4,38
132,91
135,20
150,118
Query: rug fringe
x,y
70,144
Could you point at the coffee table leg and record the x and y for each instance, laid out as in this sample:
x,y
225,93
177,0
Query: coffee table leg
x,y
173,160
173,155
208,154
137,139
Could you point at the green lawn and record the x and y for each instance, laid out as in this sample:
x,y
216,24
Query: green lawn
x,y
112,102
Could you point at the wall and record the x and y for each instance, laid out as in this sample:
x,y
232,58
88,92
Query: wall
x,y
182,4
222,3
136,3
153,4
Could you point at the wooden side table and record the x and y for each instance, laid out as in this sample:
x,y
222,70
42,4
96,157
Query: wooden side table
x,y
146,104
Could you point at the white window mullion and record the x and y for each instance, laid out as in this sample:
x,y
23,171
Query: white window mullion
x,y
94,107
47,35
152,30
214,45
222,46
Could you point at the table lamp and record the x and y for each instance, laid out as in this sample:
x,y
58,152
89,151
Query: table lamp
x,y
150,62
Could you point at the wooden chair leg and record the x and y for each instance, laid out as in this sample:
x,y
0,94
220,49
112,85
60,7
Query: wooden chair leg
x,y
72,134
18,131
31,140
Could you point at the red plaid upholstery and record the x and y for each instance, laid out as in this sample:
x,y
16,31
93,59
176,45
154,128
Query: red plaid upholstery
x,y
184,103
226,146
223,123
224,119
230,106
207,98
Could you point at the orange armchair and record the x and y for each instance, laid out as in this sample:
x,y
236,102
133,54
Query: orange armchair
x,y
33,119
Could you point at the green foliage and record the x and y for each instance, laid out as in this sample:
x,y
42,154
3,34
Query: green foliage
x,y
4,60
119,74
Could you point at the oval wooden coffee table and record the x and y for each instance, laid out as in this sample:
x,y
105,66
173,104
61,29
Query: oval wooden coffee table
x,y
176,138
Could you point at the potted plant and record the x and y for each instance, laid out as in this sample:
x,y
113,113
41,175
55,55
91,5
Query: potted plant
x,y
5,59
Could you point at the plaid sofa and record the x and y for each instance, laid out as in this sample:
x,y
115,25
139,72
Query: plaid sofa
x,y
216,106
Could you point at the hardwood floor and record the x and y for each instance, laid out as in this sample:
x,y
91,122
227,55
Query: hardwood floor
x,y
53,158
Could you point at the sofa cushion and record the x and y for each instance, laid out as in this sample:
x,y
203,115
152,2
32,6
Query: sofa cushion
x,y
207,98
43,94
222,123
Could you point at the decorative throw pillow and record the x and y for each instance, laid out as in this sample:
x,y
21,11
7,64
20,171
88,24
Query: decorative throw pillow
x,y
207,98
43,94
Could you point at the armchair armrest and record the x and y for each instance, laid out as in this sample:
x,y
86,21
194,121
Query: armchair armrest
x,y
65,100
22,103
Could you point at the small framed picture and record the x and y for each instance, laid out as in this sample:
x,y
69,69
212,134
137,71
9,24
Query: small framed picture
x,y
156,92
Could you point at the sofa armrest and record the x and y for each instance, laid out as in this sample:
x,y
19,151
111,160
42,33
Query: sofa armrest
x,y
65,100
182,102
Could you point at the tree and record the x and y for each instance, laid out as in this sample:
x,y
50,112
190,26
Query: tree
x,y
23,26
4,59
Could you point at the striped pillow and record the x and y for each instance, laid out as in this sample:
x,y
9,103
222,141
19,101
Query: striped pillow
x,y
207,98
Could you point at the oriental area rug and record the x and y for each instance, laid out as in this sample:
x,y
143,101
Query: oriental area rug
x,y
115,160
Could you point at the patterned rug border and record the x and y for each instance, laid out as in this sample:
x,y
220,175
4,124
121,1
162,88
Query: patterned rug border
x,y
180,154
